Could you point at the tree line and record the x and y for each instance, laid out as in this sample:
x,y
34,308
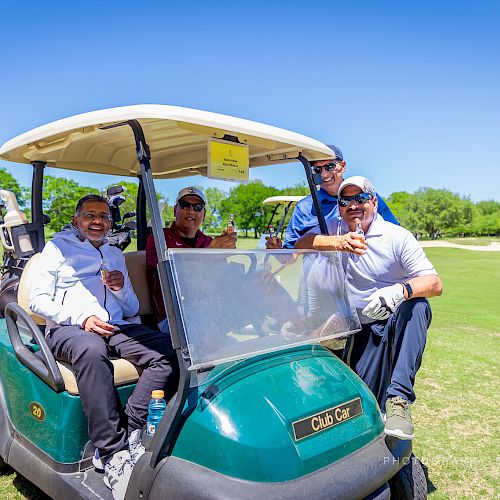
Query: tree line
x,y
428,213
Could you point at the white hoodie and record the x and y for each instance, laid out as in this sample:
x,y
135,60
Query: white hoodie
x,y
68,287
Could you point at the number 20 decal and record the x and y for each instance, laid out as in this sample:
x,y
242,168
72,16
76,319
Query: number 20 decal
x,y
37,411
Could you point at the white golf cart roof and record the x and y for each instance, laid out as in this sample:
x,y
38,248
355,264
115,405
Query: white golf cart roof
x,y
278,200
177,138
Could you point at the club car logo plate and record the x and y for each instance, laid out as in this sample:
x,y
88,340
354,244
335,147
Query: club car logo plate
x,y
326,419
37,411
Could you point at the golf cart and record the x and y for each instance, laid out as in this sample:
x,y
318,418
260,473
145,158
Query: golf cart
x,y
270,412
277,202
286,202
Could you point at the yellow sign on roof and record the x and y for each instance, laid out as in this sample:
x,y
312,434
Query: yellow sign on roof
x,y
228,160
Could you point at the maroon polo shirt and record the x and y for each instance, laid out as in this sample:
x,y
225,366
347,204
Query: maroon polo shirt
x,y
173,240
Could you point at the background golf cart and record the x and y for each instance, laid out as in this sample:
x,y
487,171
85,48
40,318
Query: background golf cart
x,y
246,416
283,206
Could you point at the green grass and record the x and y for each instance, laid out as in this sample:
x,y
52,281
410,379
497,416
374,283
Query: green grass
x,y
457,388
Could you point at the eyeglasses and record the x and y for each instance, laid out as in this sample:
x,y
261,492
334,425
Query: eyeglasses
x,y
328,167
358,198
92,216
185,205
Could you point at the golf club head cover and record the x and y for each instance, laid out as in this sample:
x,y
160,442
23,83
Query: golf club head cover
x,y
384,301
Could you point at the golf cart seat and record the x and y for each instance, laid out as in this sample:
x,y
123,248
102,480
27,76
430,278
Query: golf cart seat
x,y
124,371
136,267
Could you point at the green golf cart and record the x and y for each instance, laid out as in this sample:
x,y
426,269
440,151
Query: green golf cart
x,y
262,409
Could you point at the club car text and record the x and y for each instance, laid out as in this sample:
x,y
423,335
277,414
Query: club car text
x,y
326,419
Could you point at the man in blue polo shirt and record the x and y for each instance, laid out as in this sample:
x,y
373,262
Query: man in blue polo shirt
x,y
304,216
389,278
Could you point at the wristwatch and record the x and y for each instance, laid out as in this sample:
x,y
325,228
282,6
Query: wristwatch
x,y
409,291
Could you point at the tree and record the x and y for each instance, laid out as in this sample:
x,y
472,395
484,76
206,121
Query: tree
x,y
9,183
488,207
431,211
60,196
299,189
213,219
245,203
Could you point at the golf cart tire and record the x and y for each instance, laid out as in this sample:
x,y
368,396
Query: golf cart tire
x,y
410,482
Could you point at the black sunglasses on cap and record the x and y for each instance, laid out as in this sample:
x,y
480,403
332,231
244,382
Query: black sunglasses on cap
x,y
328,167
185,205
358,198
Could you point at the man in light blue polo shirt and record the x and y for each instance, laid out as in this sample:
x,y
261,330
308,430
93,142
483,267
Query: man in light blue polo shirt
x,y
304,217
389,278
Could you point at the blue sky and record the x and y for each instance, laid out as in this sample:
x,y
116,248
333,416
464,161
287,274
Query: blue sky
x,y
408,90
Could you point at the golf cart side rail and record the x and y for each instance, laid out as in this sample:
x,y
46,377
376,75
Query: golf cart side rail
x,y
43,364
167,432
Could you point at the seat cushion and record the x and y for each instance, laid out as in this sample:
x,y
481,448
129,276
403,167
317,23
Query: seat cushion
x,y
136,267
125,373
23,292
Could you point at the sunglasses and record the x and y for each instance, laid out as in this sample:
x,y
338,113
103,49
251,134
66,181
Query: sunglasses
x,y
358,198
328,167
185,205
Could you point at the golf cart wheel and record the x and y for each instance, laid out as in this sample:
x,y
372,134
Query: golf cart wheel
x,y
410,482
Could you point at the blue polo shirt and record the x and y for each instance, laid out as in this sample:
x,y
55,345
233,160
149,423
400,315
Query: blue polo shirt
x,y
304,216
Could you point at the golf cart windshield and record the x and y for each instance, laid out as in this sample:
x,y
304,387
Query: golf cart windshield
x,y
238,304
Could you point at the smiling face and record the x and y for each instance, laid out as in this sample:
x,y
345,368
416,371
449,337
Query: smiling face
x,y
93,222
364,211
330,181
187,219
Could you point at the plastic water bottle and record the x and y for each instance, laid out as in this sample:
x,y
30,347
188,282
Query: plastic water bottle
x,y
156,409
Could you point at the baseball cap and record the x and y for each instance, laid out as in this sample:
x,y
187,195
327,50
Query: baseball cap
x,y
336,150
357,180
191,191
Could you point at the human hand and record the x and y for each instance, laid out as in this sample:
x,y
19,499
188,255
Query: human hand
x,y
95,325
273,243
225,240
384,301
352,242
114,280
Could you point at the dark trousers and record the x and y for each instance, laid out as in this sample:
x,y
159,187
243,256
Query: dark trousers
x,y
88,354
387,354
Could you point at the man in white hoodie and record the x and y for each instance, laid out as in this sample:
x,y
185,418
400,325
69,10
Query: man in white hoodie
x,y
83,290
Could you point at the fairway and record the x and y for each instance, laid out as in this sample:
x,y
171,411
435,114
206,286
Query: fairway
x,y
457,388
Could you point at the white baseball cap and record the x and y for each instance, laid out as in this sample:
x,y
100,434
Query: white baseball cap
x,y
191,191
357,180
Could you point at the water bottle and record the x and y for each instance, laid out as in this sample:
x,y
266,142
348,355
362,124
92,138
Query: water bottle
x,y
156,409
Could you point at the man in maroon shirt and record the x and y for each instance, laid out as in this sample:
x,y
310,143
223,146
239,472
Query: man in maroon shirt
x,y
184,232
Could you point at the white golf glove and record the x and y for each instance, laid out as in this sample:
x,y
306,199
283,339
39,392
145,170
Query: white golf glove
x,y
384,302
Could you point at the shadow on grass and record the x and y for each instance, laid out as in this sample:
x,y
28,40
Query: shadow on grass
x,y
23,486
430,485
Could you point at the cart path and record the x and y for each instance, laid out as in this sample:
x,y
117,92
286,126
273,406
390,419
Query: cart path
x,y
494,246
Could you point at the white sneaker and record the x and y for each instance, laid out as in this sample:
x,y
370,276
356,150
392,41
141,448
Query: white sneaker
x,y
117,472
97,462
135,446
